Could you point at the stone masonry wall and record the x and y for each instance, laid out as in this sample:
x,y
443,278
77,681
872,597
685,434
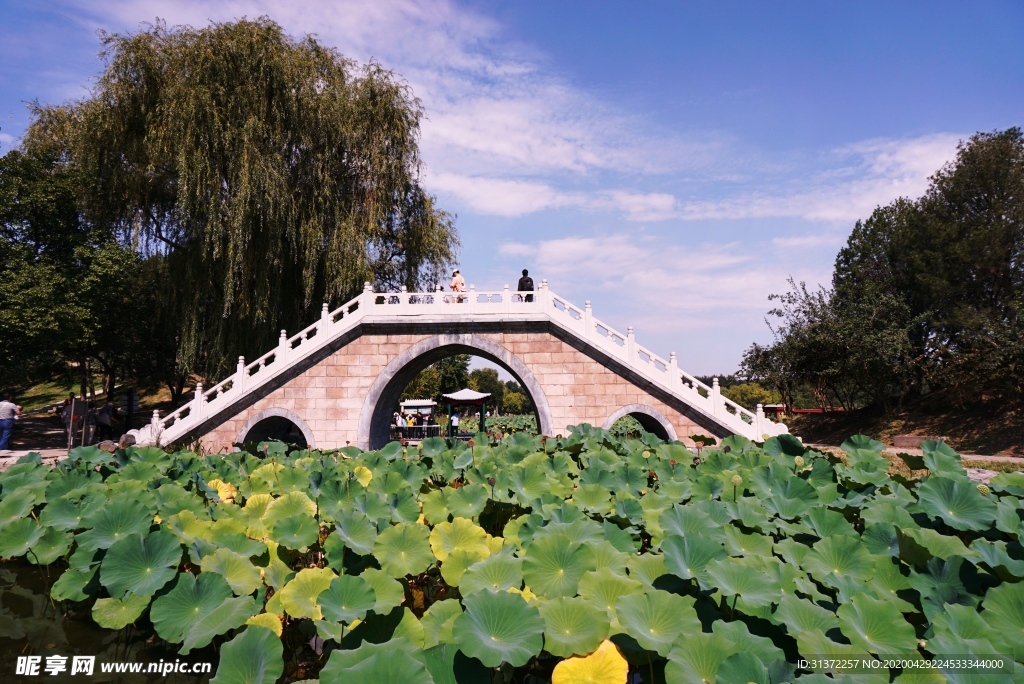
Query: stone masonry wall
x,y
329,396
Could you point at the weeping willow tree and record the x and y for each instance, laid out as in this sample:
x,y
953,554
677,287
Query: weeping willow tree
x,y
271,174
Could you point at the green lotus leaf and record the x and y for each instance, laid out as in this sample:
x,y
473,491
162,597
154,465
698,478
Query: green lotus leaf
x,y
697,658
647,568
917,545
112,523
435,506
348,598
656,619
743,667
688,521
468,501
256,656
733,578
553,567
76,585
410,629
837,559
112,613
16,506
572,626
68,513
460,534
357,532
941,583
499,627
439,621
1004,612
296,532
141,565
881,540
941,460
388,663
876,626
49,547
593,497
861,442
17,537
687,557
888,582
604,587
388,591
456,564
607,556
957,502
230,614
189,600
498,572
299,596
960,629
404,549
996,556
761,647
287,506
1007,518
887,512
823,522
242,576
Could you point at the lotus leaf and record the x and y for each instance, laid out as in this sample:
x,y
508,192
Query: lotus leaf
x,y
572,626
386,663
656,619
647,568
296,532
388,591
256,656
554,567
743,667
917,545
115,521
76,585
996,556
242,576
876,626
299,596
739,634
460,534
498,572
1004,612
687,557
733,578
438,622
347,599
698,657
291,504
604,666
68,513
960,629
456,564
113,613
957,502
838,558
141,565
17,537
499,627
189,600
468,501
410,629
404,549
230,614
356,532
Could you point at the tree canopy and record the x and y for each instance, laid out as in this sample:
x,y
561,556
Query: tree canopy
x,y
927,295
271,173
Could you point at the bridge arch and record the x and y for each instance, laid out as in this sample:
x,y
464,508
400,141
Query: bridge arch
x,y
650,419
273,419
375,417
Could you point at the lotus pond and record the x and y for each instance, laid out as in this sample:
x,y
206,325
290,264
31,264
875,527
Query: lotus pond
x,y
586,558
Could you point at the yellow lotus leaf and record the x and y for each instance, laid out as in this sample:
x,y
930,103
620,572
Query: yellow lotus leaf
x,y
495,544
363,474
604,666
268,620
225,490
525,592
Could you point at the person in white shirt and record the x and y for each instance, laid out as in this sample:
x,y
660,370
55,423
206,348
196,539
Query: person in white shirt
x,y
458,285
8,412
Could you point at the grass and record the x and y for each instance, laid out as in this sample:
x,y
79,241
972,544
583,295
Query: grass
x,y
45,393
899,467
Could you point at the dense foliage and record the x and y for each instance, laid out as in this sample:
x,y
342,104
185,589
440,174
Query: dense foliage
x,y
580,559
266,189
927,295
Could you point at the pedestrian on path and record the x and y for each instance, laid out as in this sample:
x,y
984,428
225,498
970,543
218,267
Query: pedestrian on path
x,y
9,411
526,285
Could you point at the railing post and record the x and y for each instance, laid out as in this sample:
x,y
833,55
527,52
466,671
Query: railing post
x,y
239,383
759,422
471,300
630,345
675,382
588,321
282,349
197,401
325,321
403,300
506,298
716,398
368,297
543,296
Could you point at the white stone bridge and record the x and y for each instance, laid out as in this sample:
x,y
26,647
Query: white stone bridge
x,y
338,381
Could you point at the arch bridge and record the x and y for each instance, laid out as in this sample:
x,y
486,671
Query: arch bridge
x,y
338,381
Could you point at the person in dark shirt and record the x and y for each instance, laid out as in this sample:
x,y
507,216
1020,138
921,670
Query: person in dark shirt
x,y
526,285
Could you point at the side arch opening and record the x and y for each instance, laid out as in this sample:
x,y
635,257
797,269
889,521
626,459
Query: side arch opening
x,y
277,424
650,419
375,419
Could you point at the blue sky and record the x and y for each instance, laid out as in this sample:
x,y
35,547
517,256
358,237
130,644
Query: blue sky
x,y
674,163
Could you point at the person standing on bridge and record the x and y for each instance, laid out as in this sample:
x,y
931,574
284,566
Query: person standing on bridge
x,y
526,285
458,285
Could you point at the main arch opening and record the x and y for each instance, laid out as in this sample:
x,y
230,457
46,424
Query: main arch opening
x,y
650,420
278,425
419,370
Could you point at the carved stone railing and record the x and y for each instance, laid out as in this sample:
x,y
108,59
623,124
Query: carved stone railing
x,y
444,306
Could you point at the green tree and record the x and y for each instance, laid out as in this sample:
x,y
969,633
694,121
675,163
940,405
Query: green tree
x,y
453,374
272,174
513,387
750,394
486,380
514,403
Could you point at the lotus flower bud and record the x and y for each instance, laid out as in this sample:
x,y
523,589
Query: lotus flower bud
x,y
984,489
727,449
736,480
472,443
672,462
799,460
491,481
646,454
922,643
